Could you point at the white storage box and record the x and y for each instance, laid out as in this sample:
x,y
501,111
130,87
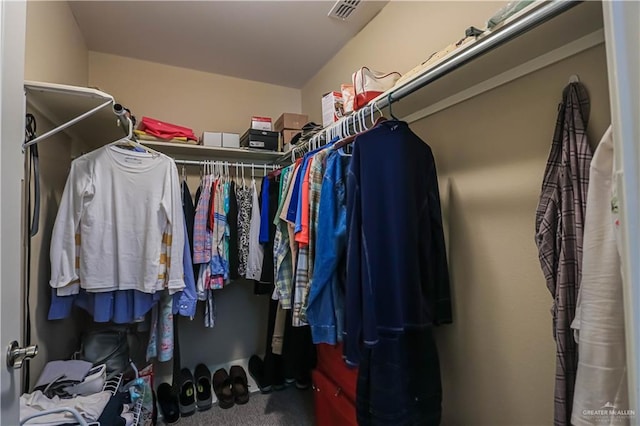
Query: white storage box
x,y
212,139
231,140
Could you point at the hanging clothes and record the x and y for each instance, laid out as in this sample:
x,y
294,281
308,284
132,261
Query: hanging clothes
x,y
245,204
256,251
161,338
397,276
302,265
184,302
189,209
232,220
219,267
98,191
201,232
282,248
309,228
559,234
104,171
266,283
325,310
601,381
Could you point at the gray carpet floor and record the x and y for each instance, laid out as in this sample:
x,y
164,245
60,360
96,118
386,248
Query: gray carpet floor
x,y
289,407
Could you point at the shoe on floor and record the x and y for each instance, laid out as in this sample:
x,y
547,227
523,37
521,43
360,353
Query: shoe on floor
x,y
204,396
186,393
256,370
239,384
303,384
168,401
222,388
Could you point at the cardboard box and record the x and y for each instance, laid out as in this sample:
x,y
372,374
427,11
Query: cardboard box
x,y
331,108
211,139
231,140
290,121
261,123
287,135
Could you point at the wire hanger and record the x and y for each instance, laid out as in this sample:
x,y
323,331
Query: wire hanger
x,y
390,109
363,119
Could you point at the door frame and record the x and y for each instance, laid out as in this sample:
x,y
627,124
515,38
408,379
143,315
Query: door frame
x,y
12,110
621,29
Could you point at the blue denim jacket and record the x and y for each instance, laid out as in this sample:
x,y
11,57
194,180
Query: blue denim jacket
x,y
325,312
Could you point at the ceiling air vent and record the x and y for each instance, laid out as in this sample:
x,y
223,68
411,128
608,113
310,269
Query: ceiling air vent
x,y
343,9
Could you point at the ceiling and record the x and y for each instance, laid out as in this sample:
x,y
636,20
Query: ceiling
x,y
279,42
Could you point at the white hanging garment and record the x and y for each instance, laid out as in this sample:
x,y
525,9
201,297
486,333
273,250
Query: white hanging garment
x,y
601,395
256,251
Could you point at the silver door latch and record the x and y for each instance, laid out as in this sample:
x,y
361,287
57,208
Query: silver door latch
x,y
17,355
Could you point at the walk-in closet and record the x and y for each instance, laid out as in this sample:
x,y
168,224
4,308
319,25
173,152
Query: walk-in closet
x,y
320,213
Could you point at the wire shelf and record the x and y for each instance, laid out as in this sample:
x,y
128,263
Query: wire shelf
x,y
113,386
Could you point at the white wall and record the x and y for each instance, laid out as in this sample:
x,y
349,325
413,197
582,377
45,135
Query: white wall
x,y
55,51
195,99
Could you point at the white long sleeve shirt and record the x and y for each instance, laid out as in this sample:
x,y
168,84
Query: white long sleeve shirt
x,y
601,380
119,225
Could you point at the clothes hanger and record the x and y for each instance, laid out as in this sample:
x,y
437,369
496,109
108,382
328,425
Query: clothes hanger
x,y
378,120
129,141
359,129
361,116
574,79
390,109
237,175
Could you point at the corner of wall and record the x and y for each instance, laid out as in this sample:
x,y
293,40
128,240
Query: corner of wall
x,y
55,50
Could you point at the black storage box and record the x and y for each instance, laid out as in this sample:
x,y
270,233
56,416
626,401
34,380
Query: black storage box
x,y
260,139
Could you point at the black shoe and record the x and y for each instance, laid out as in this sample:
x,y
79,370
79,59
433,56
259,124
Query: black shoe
x,y
256,370
303,384
168,401
222,388
187,393
204,397
239,384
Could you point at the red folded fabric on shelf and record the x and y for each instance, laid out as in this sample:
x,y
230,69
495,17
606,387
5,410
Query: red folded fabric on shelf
x,y
164,130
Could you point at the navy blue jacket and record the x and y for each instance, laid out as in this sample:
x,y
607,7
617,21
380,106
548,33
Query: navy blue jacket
x,y
397,277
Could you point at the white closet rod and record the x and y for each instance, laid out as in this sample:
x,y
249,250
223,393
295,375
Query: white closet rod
x,y
224,163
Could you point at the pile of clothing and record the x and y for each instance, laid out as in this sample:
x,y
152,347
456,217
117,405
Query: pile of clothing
x,y
68,389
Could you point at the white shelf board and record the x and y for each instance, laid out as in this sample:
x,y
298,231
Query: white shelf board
x,y
181,151
59,103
